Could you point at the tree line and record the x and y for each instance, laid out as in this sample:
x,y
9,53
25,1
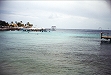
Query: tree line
x,y
16,24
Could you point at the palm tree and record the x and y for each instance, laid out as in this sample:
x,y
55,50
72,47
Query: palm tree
x,y
16,22
20,21
28,23
12,22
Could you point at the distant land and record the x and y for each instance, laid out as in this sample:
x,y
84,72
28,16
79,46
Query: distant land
x,y
5,26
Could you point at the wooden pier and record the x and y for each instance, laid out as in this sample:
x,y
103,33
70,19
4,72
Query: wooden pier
x,y
105,36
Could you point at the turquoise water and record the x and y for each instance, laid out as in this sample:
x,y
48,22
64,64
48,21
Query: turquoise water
x,y
61,52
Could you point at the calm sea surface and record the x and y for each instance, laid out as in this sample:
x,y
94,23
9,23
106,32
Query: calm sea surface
x,y
61,52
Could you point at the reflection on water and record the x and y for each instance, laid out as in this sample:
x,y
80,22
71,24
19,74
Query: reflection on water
x,y
63,52
105,42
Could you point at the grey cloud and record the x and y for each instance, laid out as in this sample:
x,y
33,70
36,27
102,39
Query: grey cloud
x,y
53,16
47,11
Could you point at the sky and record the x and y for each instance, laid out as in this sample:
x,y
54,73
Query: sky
x,y
72,14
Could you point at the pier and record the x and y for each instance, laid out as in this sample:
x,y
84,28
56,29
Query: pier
x,y
105,36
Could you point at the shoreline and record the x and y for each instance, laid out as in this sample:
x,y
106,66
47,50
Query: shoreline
x,y
24,29
8,29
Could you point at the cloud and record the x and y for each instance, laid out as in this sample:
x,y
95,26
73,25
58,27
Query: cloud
x,y
62,13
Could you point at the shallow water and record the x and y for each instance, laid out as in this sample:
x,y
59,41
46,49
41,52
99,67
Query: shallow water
x,y
61,52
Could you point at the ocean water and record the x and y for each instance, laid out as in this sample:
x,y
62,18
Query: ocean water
x,y
61,52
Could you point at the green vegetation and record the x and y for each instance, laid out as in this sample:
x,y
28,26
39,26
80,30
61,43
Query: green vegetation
x,y
28,25
4,24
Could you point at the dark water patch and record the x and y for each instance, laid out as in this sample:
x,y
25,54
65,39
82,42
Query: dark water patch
x,y
101,63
